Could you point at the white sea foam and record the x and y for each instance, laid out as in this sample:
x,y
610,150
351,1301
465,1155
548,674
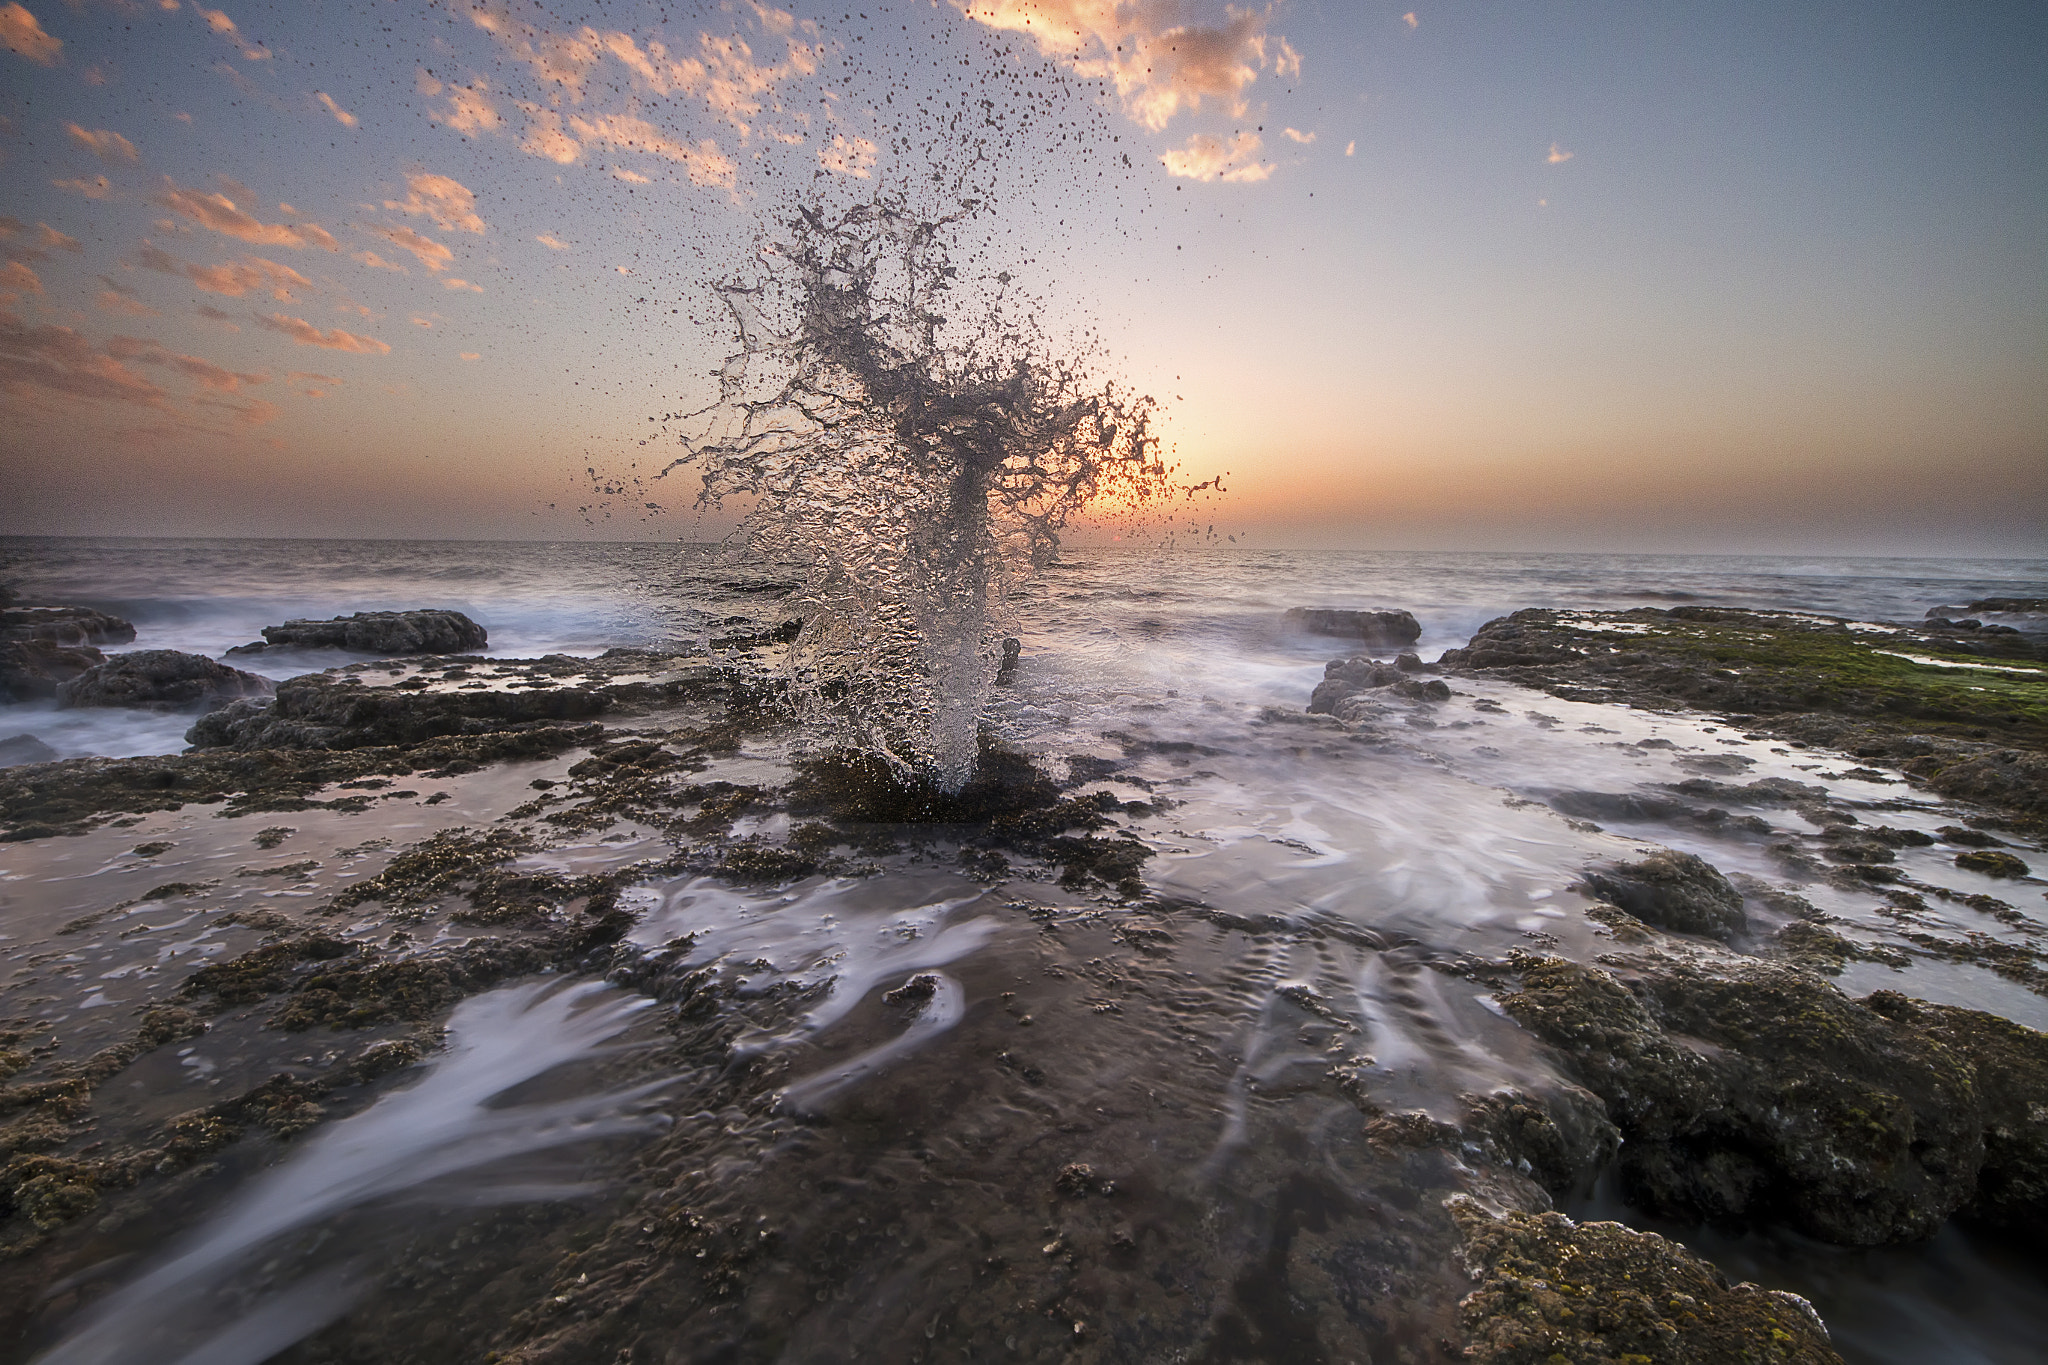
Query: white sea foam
x,y
433,1139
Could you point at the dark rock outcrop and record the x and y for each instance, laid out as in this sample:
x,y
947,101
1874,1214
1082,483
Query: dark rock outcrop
x,y
70,627
161,680
1554,1290
1387,628
385,633
42,648
319,711
1755,1091
1344,679
1672,890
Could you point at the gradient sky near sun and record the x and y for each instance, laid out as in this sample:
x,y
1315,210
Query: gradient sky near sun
x,y
1473,276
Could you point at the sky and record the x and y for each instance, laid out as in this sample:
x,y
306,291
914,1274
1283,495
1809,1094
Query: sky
x,y
1602,276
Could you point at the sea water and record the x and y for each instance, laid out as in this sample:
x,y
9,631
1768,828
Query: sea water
x,y
1370,858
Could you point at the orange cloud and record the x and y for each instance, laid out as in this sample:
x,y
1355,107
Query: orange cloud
x,y
848,156
432,254
701,161
1206,158
218,212
1157,65
104,143
341,115
1296,135
119,298
57,360
445,200
234,279
1558,155
99,187
218,21
17,279
551,242
205,372
306,334
22,35
376,262
469,110
47,238
462,284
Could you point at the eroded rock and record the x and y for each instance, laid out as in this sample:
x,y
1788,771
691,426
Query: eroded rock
x,y
1752,1091
1675,891
1372,627
161,680
1554,1290
385,633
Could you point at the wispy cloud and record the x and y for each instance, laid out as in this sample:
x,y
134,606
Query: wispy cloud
x,y
445,200
104,143
23,35
341,115
551,242
209,375
119,298
218,21
57,360
723,71
99,187
306,334
469,110
16,246
1208,158
462,284
1158,65
376,262
251,274
854,156
16,279
434,256
1296,135
1558,155
1410,20
219,212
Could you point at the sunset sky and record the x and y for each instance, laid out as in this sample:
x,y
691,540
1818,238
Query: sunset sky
x,y
1562,276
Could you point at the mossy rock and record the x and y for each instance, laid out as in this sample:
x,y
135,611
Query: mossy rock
x,y
1552,1290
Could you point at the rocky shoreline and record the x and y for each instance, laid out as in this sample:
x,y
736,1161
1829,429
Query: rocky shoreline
x,y
1709,1060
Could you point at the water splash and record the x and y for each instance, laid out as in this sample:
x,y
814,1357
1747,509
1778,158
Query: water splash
x,y
902,431
443,1127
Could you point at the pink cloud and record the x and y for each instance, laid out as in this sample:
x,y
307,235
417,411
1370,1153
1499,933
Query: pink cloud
x,y
23,35
306,334
219,212
234,279
104,143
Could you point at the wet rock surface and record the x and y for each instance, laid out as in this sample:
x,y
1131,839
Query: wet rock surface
x,y
1967,717
1382,628
161,680
1751,1091
1676,891
385,633
1554,1290
41,648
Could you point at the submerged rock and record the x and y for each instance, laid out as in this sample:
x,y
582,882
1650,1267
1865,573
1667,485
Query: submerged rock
x,y
24,749
320,711
1751,1092
32,670
1553,1290
70,627
1344,679
430,630
1371,627
1675,891
161,680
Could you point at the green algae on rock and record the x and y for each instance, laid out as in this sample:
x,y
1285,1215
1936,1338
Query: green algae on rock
x,y
1749,1091
1930,704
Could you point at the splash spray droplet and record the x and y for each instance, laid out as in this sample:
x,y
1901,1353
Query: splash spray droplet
x,y
905,434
